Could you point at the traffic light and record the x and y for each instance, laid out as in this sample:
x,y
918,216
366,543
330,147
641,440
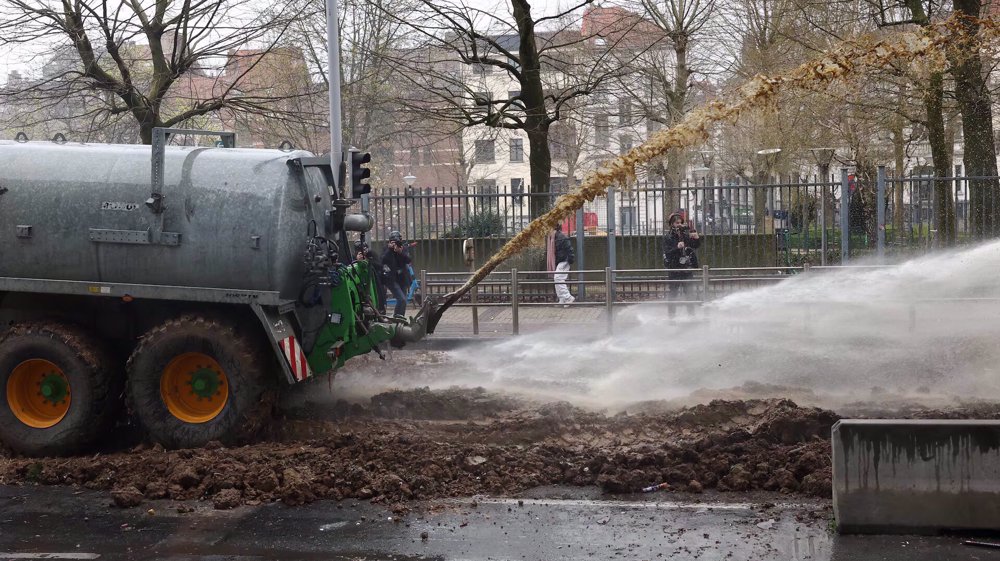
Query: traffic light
x,y
359,174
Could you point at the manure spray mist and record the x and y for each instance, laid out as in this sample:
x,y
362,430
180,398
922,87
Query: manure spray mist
x,y
927,327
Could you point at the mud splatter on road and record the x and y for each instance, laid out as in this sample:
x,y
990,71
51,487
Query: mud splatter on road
x,y
423,444
406,445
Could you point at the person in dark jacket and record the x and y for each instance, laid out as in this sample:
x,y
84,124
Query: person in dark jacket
x,y
679,256
564,258
363,253
394,262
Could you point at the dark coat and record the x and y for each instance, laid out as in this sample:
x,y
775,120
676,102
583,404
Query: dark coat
x,y
394,264
564,249
672,255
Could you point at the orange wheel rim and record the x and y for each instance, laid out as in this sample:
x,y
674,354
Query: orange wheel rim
x,y
38,393
194,388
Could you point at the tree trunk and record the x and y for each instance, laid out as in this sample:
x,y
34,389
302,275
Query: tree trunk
x,y
899,161
540,163
944,205
673,177
536,118
674,172
146,126
977,126
759,204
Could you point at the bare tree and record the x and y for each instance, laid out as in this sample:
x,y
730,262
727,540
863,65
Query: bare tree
x,y
667,79
150,60
932,92
450,68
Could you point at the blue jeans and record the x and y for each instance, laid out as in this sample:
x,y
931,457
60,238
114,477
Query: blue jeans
x,y
400,296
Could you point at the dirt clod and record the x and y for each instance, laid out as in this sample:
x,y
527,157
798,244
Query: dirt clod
x,y
227,499
127,496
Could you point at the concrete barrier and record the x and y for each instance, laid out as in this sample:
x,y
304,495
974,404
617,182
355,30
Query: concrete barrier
x,y
916,476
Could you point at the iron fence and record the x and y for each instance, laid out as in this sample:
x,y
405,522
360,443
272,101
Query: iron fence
x,y
742,224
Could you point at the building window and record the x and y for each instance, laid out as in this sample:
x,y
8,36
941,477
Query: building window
x,y
625,143
602,131
485,152
414,156
624,111
428,156
482,69
653,126
517,150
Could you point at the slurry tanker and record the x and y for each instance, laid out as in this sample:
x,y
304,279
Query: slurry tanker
x,y
178,285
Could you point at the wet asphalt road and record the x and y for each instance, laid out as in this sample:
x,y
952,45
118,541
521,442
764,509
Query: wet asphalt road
x,y
64,523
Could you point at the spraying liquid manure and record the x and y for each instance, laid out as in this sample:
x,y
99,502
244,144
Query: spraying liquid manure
x,y
925,49
924,330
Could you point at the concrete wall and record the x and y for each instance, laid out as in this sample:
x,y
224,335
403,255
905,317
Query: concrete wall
x,y
906,476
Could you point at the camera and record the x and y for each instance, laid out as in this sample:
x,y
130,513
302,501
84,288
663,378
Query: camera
x,y
686,256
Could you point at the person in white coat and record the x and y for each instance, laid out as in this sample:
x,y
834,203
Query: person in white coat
x,y
564,258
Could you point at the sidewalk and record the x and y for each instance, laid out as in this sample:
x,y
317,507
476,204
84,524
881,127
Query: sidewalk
x,y
497,322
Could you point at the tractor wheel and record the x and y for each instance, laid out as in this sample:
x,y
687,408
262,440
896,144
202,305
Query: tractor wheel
x,y
194,380
60,389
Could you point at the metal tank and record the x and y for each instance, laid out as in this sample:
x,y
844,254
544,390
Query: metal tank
x,y
228,218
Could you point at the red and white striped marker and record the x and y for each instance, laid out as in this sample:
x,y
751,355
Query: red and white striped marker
x,y
296,358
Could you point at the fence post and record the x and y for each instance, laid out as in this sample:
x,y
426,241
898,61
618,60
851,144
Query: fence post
x,y
611,228
704,284
424,292
515,295
609,298
581,288
824,178
845,217
880,214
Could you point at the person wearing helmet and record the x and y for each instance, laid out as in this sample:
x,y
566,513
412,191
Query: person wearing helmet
x,y
394,264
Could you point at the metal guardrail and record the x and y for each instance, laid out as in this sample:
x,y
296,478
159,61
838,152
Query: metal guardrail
x,y
711,284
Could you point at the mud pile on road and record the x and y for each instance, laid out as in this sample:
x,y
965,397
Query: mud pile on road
x,y
726,445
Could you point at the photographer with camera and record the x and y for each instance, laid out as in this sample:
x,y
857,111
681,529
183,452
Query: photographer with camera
x,y
364,253
679,256
397,276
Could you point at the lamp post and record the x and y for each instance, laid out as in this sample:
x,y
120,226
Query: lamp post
x,y
708,159
703,173
823,157
409,179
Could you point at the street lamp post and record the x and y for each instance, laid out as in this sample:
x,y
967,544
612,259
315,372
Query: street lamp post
x,y
708,159
823,157
409,179
701,172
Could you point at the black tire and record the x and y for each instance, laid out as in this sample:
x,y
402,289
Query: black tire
x,y
95,382
250,388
